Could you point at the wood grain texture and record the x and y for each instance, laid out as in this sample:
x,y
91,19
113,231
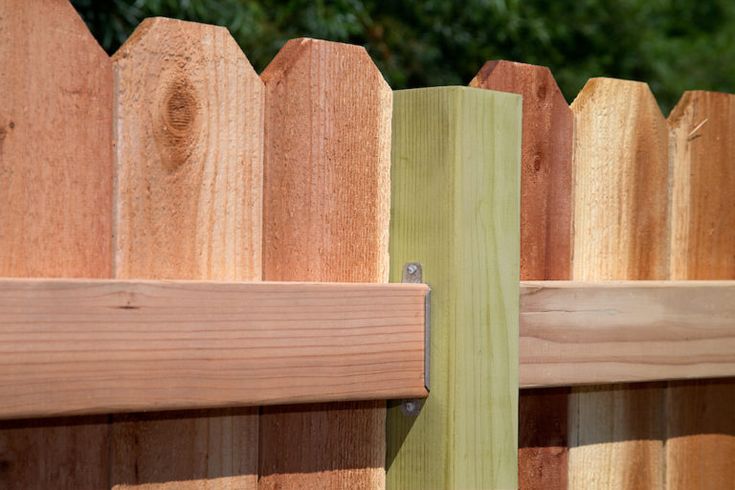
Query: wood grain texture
x,y
455,191
188,122
613,332
620,183
700,445
620,232
188,136
183,345
702,203
55,144
326,211
546,219
55,206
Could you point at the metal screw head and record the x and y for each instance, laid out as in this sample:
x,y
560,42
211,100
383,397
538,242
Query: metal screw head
x,y
411,408
412,272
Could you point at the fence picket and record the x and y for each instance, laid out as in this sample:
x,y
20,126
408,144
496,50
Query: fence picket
x,y
700,445
620,232
546,197
55,206
326,212
188,134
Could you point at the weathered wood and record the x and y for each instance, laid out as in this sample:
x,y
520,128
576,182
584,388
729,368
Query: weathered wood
x,y
700,446
620,232
546,217
613,332
456,163
188,133
55,206
182,345
326,212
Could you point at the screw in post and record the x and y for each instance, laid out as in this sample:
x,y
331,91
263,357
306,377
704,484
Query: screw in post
x,y
411,408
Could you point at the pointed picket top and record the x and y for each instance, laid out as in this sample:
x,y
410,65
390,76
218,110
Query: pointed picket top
x,y
326,210
189,136
700,424
600,89
535,81
315,52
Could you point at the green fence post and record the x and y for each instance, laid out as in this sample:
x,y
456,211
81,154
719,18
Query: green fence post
x,y
455,210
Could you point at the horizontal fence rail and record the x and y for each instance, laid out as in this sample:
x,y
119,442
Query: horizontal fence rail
x,y
98,346
575,333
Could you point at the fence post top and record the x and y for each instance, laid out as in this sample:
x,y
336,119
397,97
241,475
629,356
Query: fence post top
x,y
460,91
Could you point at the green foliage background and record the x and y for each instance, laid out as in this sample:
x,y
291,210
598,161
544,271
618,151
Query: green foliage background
x,y
674,45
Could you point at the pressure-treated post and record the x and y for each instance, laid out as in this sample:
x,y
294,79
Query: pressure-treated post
x,y
455,210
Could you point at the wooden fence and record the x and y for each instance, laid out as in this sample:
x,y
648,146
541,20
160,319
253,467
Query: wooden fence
x,y
170,179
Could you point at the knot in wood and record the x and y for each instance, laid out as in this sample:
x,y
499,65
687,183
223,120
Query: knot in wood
x,y
538,159
541,91
177,124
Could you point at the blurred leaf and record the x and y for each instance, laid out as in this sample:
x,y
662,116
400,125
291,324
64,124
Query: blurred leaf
x,y
673,45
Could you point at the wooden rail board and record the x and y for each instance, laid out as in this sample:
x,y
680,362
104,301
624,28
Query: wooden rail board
x,y
70,347
546,218
700,445
456,165
620,233
188,146
326,212
55,206
612,332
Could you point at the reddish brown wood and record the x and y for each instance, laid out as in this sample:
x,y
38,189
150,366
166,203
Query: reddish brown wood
x,y
55,206
700,446
325,211
546,196
542,440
